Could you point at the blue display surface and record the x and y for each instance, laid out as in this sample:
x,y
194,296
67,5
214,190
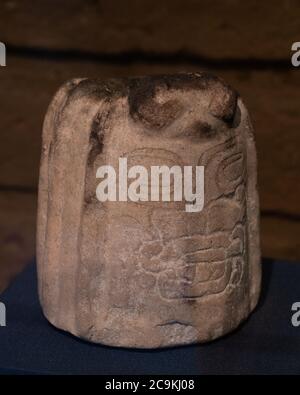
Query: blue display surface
x,y
267,343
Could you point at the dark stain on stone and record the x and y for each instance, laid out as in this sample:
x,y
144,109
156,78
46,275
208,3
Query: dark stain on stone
x,y
142,91
199,131
237,118
98,89
96,139
224,103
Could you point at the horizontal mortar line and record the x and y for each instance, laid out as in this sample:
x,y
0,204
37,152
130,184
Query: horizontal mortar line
x,y
19,189
280,214
140,56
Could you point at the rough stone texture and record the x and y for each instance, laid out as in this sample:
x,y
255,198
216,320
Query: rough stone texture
x,y
147,274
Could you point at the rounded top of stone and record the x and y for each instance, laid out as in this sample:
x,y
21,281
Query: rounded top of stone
x,y
141,93
222,99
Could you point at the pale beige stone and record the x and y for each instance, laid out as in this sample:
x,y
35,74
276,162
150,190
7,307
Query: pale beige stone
x,y
148,274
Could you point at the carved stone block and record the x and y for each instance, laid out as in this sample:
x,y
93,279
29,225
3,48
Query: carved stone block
x,y
148,273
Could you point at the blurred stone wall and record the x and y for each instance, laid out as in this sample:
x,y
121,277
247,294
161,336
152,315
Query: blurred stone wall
x,y
248,43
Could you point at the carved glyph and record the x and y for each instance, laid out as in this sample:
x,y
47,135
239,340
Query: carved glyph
x,y
148,273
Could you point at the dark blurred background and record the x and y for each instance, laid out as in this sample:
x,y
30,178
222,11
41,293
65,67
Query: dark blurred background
x,y
248,43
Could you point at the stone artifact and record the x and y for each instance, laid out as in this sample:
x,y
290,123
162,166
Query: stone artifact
x,y
132,270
